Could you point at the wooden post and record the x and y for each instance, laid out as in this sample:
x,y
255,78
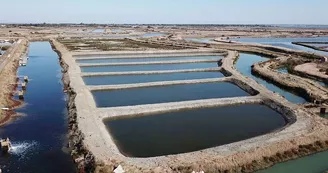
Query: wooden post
x,y
322,111
24,85
21,95
5,145
26,78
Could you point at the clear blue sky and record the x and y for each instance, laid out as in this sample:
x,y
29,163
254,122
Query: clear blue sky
x,y
166,11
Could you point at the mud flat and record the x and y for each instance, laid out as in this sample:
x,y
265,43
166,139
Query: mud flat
x,y
303,134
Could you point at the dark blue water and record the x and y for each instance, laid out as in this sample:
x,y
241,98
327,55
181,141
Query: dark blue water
x,y
287,42
118,60
151,67
244,64
129,79
173,93
39,136
192,130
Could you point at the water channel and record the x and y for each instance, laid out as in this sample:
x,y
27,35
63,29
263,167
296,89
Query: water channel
x,y
39,136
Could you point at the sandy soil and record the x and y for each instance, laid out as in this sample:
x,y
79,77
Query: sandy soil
x,y
8,80
313,69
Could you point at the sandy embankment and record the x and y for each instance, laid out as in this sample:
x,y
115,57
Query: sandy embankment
x,y
312,70
8,80
303,87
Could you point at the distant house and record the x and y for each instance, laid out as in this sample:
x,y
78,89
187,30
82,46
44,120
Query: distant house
x,y
323,59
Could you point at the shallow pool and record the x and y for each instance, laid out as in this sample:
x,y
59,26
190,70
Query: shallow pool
x,y
153,34
191,130
129,79
149,67
118,60
98,31
172,93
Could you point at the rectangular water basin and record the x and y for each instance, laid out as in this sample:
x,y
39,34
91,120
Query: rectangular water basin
x,y
129,79
148,59
191,130
162,94
150,67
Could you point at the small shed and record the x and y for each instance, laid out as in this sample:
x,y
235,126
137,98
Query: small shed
x,y
323,59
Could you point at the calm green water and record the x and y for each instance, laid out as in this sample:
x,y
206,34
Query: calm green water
x,y
244,64
316,163
182,58
150,67
128,79
173,93
186,131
